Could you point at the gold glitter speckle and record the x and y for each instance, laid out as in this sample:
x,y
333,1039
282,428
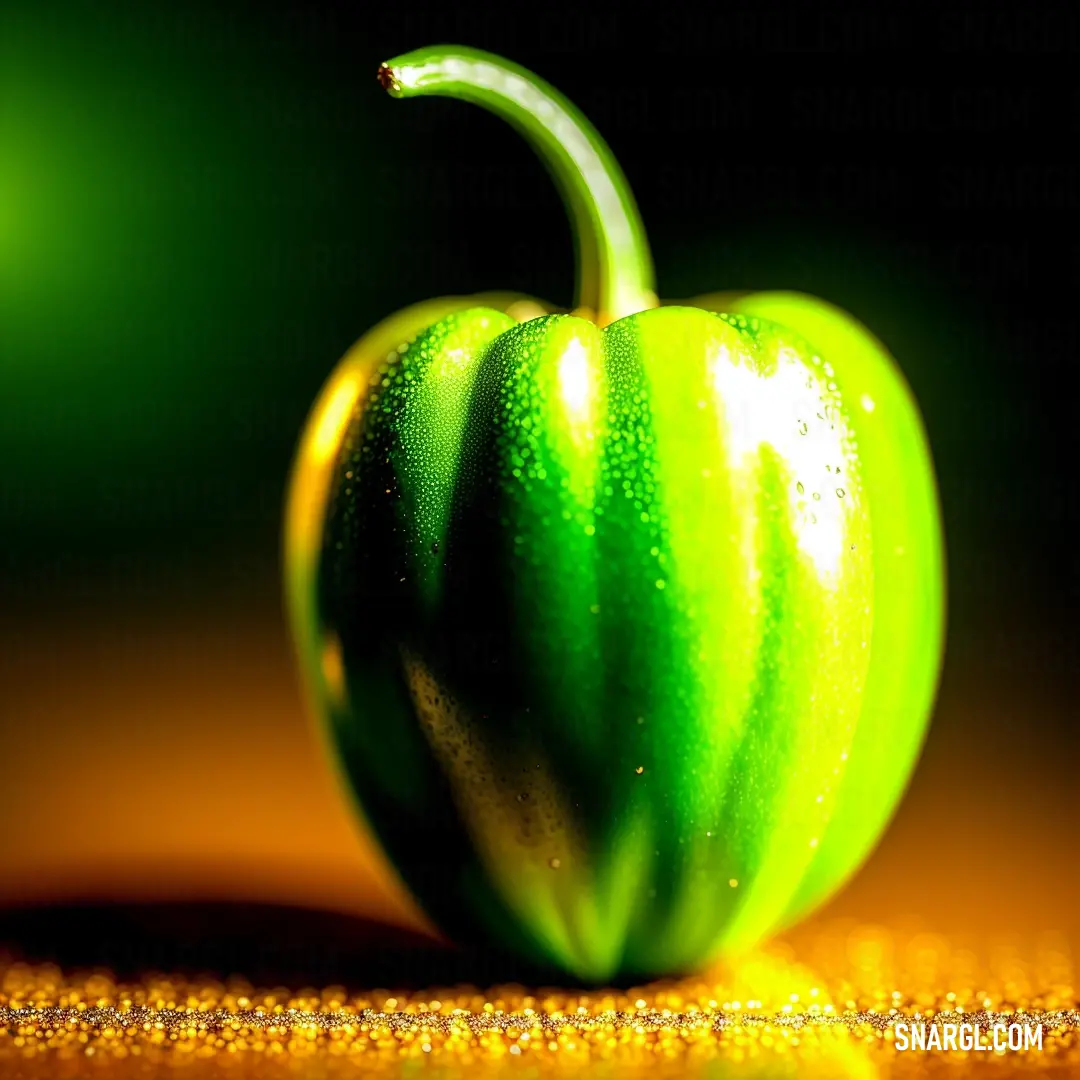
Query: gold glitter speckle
x,y
783,1017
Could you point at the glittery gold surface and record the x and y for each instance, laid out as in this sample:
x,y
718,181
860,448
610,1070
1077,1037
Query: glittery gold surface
x,y
768,1016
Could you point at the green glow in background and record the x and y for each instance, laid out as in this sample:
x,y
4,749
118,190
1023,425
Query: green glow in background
x,y
166,223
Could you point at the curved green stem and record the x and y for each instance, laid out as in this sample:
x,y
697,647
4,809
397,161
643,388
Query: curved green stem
x,y
615,276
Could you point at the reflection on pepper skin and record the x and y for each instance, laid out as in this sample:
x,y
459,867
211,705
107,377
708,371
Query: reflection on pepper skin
x,y
625,629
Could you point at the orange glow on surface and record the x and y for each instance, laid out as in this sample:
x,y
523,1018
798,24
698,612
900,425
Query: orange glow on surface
x,y
173,760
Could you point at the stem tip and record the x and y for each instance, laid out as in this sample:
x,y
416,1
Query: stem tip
x,y
387,78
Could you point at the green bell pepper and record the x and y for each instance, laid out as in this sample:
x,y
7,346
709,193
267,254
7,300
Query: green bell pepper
x,y
625,624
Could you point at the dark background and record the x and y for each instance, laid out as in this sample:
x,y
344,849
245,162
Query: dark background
x,y
202,207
